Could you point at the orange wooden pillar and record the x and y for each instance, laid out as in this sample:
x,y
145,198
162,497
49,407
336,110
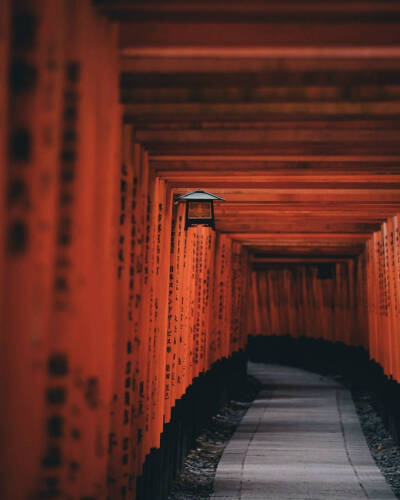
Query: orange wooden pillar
x,y
108,159
134,367
178,262
393,284
396,288
375,296
89,173
209,294
57,315
222,311
245,297
389,295
30,178
362,316
119,437
144,207
150,325
237,283
162,240
172,341
383,354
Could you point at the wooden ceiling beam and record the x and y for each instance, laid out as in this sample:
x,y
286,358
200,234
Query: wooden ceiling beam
x,y
300,236
318,123
300,159
306,195
298,38
320,217
276,149
339,179
324,135
123,9
223,110
280,184
297,260
274,170
293,264
285,76
284,227
270,69
320,251
250,93
276,221
300,210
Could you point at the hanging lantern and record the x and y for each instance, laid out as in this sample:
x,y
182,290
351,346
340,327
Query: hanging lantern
x,y
199,208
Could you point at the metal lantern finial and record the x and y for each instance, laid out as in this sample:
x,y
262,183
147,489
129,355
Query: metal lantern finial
x,y
199,208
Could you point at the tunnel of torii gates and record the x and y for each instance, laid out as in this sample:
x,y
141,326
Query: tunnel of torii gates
x,y
110,310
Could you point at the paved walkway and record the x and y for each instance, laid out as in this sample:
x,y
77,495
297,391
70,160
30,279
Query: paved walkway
x,y
300,440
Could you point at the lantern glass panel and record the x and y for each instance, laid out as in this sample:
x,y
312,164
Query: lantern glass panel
x,y
199,210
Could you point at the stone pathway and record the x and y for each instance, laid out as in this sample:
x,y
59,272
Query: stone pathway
x,y
300,440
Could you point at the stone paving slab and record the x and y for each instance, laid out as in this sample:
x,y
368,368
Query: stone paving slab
x,y
300,440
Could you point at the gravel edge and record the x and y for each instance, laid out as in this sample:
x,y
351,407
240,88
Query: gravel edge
x,y
195,481
383,448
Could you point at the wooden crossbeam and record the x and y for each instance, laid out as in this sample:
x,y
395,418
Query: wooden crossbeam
x,y
243,136
303,38
249,93
261,109
240,66
296,260
293,159
300,236
283,226
320,250
126,9
307,195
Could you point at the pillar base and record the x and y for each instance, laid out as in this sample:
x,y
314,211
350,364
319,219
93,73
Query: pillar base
x,y
207,394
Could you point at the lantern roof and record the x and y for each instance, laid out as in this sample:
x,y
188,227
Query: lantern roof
x,y
199,195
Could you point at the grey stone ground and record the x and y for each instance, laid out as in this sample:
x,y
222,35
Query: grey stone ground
x,y
300,440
